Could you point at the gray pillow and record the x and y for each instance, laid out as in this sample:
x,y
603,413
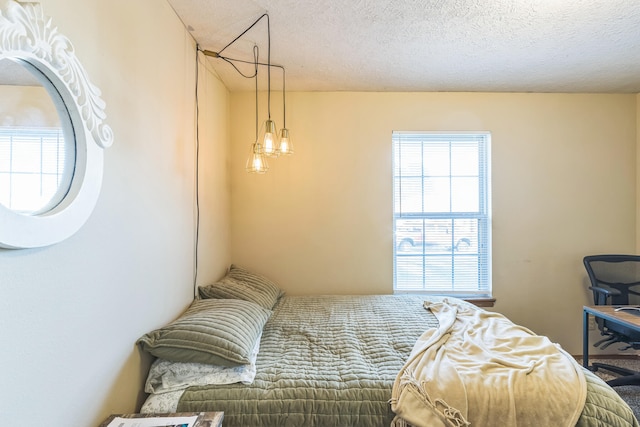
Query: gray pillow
x,y
215,331
242,284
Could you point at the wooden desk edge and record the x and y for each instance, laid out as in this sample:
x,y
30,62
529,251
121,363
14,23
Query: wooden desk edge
x,y
608,312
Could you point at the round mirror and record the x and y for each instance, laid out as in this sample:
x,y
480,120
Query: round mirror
x,y
52,132
37,145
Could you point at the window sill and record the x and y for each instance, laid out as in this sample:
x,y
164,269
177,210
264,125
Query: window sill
x,y
481,302
478,301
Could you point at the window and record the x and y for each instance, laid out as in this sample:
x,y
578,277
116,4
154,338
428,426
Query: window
x,y
441,213
32,168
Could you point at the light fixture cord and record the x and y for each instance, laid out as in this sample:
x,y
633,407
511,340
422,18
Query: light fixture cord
x,y
284,101
197,180
255,58
269,67
245,31
227,60
256,63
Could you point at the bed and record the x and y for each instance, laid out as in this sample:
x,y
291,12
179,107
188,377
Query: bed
x,y
319,360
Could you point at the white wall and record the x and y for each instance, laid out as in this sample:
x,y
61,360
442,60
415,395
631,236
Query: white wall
x,y
70,313
563,183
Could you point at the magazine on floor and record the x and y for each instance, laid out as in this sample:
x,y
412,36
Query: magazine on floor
x,y
188,421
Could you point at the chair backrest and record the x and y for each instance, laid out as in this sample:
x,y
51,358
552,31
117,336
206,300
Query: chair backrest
x,y
613,278
619,272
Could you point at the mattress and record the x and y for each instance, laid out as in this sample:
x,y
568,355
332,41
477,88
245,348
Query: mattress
x,y
332,361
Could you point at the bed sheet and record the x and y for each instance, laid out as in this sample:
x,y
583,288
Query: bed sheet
x,y
332,361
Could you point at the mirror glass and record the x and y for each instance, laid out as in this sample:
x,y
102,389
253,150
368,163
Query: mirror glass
x,y
37,144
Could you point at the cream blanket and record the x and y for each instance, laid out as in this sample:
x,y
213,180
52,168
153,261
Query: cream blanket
x,y
480,369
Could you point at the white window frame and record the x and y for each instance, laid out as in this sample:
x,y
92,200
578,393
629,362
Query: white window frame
x,y
431,263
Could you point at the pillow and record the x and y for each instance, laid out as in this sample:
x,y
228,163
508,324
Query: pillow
x,y
215,331
242,284
165,375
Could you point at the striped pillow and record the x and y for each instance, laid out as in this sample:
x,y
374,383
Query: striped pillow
x,y
216,332
244,285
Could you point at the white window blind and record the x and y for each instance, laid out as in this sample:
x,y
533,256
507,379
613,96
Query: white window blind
x,y
32,166
441,206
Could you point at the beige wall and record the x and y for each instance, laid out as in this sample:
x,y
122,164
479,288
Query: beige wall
x,y
563,172
70,313
637,174
214,243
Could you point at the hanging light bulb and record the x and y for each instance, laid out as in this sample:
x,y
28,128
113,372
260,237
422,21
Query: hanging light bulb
x,y
286,146
270,133
269,139
257,162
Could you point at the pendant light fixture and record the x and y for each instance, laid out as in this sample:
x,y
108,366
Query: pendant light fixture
x,y
286,145
269,142
269,138
256,163
270,133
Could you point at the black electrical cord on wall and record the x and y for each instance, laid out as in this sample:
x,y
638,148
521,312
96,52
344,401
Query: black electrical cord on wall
x,y
197,154
197,181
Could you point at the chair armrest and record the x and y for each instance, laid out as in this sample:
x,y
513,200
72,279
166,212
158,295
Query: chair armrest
x,y
604,291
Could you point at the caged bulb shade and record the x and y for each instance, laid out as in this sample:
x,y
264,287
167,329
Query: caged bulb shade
x,y
269,140
257,162
286,146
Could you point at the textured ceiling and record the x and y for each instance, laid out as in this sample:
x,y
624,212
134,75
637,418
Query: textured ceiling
x,y
428,45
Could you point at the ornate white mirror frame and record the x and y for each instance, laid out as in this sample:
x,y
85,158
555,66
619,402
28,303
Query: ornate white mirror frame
x,y
28,38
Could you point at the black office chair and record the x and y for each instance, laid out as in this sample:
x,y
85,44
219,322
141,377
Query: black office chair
x,y
613,278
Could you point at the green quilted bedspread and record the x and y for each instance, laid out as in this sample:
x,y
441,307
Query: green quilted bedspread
x,y
332,360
